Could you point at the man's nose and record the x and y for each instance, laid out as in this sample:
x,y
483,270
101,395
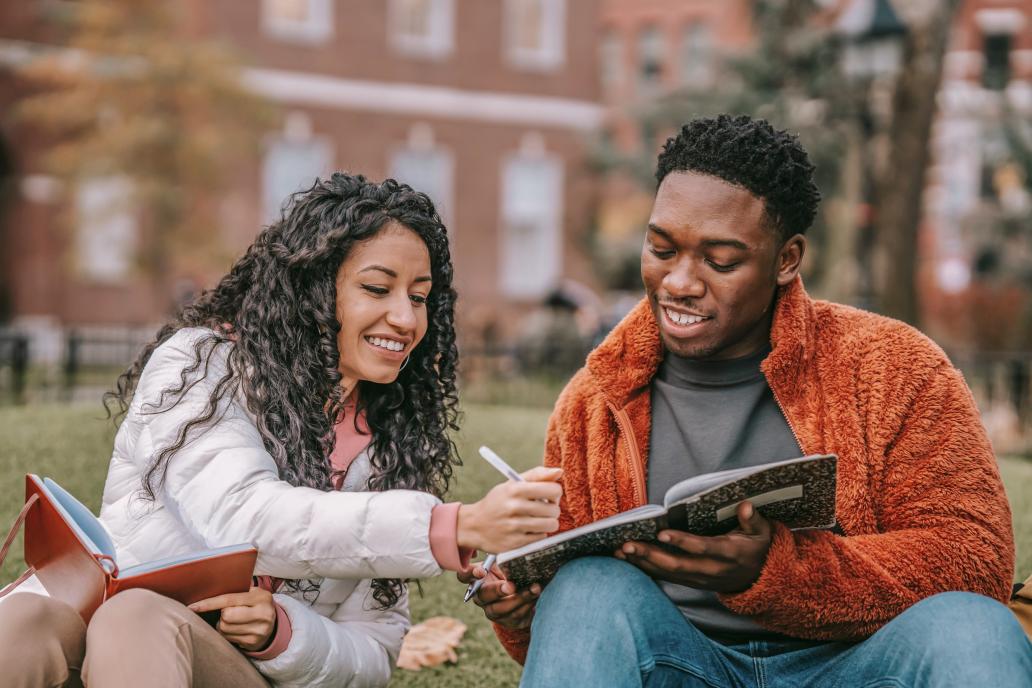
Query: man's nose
x,y
683,280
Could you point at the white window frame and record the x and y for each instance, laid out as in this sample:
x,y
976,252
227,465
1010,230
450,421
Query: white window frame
x,y
271,206
552,53
438,44
612,61
318,28
445,204
650,89
702,74
512,271
107,231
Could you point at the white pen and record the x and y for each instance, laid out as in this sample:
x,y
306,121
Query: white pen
x,y
506,470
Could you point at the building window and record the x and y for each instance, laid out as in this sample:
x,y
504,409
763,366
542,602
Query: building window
x,y
531,243
651,51
106,231
303,21
535,33
997,72
697,55
291,166
611,62
430,170
422,28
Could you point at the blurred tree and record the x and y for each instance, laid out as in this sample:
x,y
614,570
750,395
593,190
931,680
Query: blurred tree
x,y
138,94
793,78
901,186
790,79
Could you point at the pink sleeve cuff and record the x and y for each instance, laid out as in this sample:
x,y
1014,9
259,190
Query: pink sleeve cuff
x,y
444,544
280,639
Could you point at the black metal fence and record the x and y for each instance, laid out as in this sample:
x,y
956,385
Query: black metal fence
x,y
87,364
92,358
14,365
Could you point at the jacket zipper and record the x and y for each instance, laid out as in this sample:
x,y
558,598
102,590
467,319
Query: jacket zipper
x,y
777,400
637,465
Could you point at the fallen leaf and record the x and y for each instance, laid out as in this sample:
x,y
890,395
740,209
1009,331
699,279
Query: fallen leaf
x,y
431,643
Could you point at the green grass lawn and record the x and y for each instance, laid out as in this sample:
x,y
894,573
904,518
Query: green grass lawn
x,y
73,443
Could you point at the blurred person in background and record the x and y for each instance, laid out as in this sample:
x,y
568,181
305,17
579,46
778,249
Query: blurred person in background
x,y
726,363
304,405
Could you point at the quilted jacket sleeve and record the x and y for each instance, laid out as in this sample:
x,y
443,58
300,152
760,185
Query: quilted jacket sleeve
x,y
356,646
944,525
224,486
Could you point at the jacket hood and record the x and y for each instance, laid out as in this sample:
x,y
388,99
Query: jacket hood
x,y
627,360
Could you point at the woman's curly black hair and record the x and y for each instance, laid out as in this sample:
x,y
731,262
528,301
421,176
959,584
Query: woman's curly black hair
x,y
277,306
772,165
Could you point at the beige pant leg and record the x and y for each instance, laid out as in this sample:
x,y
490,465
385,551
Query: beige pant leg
x,y
42,642
140,638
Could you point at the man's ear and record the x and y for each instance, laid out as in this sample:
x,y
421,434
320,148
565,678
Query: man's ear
x,y
790,259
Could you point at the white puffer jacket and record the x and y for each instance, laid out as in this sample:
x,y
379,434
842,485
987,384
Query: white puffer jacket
x,y
223,488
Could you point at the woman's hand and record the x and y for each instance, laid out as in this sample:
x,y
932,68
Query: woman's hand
x,y
248,619
513,513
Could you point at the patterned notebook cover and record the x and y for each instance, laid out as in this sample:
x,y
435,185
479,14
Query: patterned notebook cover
x,y
800,493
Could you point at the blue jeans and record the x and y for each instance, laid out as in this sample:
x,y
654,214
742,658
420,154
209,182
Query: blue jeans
x,y
603,622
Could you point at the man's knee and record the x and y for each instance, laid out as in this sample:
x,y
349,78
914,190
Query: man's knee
x,y
594,581
963,628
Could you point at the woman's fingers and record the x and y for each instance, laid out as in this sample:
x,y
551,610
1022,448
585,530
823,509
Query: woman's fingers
x,y
252,597
220,602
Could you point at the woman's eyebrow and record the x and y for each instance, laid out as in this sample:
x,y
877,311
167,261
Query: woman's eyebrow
x,y
392,273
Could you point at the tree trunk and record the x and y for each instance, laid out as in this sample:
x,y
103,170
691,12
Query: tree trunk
x,y
901,187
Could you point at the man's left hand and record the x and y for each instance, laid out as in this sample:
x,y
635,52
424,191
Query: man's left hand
x,y
725,563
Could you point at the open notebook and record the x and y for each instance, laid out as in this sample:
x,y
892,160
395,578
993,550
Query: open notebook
x,y
76,560
798,492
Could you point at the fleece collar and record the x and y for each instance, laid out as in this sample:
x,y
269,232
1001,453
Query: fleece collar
x,y
627,360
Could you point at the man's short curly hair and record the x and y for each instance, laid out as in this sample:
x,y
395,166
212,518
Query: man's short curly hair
x,y
770,164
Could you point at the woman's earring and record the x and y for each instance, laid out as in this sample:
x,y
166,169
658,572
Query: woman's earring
x,y
405,363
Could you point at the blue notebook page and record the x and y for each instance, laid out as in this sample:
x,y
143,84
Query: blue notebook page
x,y
83,522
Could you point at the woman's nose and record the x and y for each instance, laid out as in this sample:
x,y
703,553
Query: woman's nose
x,y
402,314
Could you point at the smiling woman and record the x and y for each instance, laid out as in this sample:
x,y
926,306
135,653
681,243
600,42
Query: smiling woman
x,y
382,288
304,405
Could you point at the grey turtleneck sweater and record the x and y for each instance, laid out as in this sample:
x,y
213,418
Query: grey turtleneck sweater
x,y
711,416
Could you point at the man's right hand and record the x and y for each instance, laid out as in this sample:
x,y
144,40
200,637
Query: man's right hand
x,y
513,513
500,600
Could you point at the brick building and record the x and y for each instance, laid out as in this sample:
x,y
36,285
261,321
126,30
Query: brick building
x,y
651,47
987,79
485,105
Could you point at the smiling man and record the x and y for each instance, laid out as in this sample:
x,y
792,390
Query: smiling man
x,y
728,362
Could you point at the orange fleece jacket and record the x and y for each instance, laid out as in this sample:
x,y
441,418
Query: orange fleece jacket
x,y
919,497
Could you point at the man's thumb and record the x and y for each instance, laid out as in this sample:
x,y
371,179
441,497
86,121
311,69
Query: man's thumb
x,y
749,518
543,474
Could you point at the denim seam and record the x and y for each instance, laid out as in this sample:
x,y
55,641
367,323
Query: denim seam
x,y
758,667
885,682
680,665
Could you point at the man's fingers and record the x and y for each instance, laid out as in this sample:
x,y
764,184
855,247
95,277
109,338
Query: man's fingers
x,y
750,521
492,591
510,606
472,572
688,543
671,563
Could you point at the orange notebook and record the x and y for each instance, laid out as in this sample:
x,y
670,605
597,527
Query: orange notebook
x,y
73,556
